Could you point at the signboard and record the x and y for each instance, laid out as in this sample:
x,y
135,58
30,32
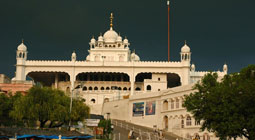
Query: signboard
x,y
150,108
138,109
92,122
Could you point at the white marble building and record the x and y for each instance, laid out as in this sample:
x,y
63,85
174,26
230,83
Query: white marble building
x,y
111,70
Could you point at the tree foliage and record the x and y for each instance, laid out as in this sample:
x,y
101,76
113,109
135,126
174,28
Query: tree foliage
x,y
106,124
48,106
225,107
6,105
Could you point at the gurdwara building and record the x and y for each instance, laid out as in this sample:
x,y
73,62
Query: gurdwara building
x,y
112,72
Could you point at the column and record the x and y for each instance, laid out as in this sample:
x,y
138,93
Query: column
x,y
56,80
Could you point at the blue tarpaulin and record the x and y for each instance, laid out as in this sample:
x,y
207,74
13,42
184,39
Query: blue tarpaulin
x,y
2,137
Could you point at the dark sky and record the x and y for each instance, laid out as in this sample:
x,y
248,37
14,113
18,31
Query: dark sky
x,y
217,31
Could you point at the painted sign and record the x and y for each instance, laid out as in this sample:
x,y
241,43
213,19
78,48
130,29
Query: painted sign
x,y
138,109
150,108
92,122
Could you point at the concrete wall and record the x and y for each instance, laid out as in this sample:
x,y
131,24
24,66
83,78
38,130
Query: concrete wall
x,y
117,109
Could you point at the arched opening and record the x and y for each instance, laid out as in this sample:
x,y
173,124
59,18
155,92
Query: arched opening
x,y
106,100
165,105
172,104
182,121
101,76
148,87
173,80
20,55
141,76
165,123
84,88
93,100
206,137
51,79
95,88
67,90
188,121
196,136
125,88
138,89
102,88
177,103
90,88
107,88
119,88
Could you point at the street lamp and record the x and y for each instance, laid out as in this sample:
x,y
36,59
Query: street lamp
x,y
71,104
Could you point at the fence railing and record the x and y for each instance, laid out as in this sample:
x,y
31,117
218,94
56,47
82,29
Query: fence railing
x,y
139,133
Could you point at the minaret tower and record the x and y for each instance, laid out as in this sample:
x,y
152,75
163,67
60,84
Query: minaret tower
x,y
185,54
21,57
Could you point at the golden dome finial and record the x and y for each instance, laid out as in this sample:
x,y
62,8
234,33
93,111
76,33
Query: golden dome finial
x,y
22,40
185,42
111,18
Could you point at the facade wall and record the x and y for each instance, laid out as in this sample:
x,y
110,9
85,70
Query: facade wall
x,y
4,79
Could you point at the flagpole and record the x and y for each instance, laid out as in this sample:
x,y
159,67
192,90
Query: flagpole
x,y
168,5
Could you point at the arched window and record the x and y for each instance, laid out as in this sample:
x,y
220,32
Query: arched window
x,y
67,90
20,55
93,101
197,122
188,121
196,135
149,87
137,89
206,137
90,88
106,100
95,88
172,104
165,105
119,88
182,123
102,88
166,122
125,88
84,88
177,103
107,88
129,88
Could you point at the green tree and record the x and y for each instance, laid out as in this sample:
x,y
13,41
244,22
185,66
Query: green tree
x,y
106,124
6,105
225,107
48,105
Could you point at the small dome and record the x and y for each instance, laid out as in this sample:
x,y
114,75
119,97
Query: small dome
x,y
88,58
193,67
73,54
110,36
100,38
119,38
135,57
125,41
22,47
93,41
185,49
225,67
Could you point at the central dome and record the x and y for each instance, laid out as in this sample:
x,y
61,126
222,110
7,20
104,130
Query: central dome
x,y
110,36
